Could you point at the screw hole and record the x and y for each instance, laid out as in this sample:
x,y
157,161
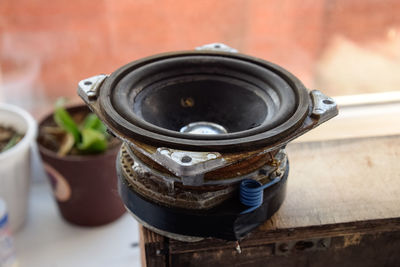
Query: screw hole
x,y
327,101
303,245
87,83
186,159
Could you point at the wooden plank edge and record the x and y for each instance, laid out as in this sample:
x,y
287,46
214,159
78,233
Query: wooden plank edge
x,y
258,238
142,247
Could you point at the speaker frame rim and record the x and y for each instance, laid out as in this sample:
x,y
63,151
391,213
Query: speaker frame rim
x,y
262,139
238,72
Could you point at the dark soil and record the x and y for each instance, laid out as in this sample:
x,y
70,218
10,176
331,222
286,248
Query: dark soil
x,y
8,138
51,136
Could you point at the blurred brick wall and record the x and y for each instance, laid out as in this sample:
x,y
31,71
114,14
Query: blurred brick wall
x,y
69,40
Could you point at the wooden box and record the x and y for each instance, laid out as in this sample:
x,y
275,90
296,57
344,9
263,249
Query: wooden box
x,y
342,209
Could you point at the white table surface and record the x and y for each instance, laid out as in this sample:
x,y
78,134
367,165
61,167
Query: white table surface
x,y
47,240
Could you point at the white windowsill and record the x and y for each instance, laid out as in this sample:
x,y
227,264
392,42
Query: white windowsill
x,y
47,240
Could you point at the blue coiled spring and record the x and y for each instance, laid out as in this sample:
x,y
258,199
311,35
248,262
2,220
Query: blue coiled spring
x,y
251,193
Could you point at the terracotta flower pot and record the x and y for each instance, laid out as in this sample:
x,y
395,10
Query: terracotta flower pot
x,y
85,187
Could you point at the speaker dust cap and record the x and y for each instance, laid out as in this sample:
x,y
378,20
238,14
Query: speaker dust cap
x,y
212,99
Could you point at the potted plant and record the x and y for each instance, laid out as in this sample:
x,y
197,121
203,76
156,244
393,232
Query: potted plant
x,y
17,135
79,158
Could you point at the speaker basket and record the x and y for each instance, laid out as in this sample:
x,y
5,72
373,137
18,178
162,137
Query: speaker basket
x,y
204,134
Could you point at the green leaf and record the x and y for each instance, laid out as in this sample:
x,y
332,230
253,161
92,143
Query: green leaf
x,y
65,121
90,137
93,122
93,141
13,141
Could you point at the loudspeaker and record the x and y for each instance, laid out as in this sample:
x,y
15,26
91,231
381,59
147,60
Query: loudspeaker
x,y
204,133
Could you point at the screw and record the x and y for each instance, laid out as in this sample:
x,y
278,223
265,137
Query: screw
x,y
322,243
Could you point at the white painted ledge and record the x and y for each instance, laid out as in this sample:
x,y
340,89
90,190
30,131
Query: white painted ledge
x,y
47,240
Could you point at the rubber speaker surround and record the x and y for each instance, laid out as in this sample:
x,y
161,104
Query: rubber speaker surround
x,y
281,99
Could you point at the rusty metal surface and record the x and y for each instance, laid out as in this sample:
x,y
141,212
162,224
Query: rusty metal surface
x,y
167,192
155,182
240,164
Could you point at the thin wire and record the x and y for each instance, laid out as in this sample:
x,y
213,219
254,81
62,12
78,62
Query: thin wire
x,y
251,193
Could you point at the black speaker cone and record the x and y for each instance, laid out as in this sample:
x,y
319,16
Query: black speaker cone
x,y
206,98
253,100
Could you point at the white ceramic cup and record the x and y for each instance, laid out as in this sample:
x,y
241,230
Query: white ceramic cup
x,y
15,164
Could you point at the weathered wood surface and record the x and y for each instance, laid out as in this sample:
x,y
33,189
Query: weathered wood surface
x,y
153,248
341,181
368,250
335,189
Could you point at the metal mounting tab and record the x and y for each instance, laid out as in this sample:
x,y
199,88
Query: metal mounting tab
x,y
88,88
189,165
324,107
217,47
